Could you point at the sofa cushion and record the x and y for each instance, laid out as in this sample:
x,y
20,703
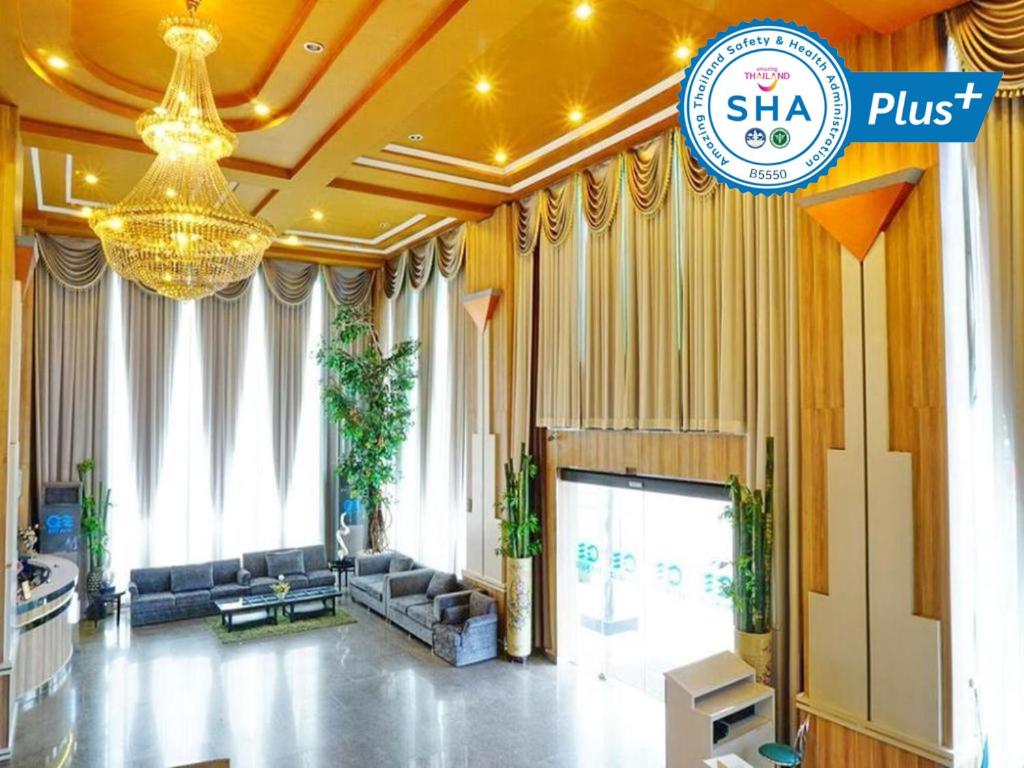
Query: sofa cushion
x,y
227,591
457,614
314,558
441,584
255,563
400,563
150,580
423,613
373,584
225,571
185,578
286,561
153,601
480,604
320,578
192,598
405,602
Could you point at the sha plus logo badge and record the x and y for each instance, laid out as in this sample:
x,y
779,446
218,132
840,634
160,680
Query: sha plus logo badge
x,y
766,106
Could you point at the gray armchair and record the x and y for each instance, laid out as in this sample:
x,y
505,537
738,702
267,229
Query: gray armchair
x,y
372,572
468,631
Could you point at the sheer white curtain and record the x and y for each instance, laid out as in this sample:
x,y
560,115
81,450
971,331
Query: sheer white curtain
x,y
987,543
185,524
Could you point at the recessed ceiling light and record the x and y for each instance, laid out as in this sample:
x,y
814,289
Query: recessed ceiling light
x,y
313,47
415,137
90,178
384,225
86,212
583,11
291,240
260,108
483,86
682,52
576,116
500,157
317,214
56,62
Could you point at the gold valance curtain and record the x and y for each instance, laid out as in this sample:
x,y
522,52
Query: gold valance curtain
x,y
558,355
989,37
290,282
609,357
527,213
77,263
347,286
420,265
393,275
652,233
451,251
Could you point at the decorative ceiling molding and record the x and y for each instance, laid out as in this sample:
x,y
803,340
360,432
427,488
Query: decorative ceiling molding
x,y
521,163
383,237
529,181
330,245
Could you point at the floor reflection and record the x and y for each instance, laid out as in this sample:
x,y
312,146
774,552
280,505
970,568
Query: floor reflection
x,y
359,695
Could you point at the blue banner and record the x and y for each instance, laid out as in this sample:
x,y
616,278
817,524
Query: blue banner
x,y
920,106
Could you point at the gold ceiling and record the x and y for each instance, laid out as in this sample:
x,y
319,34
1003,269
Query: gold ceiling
x,y
334,133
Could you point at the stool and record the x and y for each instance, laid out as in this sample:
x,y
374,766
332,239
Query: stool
x,y
785,755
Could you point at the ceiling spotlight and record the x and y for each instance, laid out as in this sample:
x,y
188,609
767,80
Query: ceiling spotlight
x,y
291,240
576,116
90,178
415,137
317,214
261,109
384,225
500,157
313,47
682,52
483,86
583,11
56,62
85,212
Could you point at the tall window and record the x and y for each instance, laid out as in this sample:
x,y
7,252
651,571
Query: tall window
x,y
185,523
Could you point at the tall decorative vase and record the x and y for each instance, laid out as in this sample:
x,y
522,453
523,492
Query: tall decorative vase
x,y
519,608
756,650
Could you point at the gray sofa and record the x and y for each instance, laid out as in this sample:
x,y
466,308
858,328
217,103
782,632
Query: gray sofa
x,y
417,599
183,591
302,568
372,572
190,591
468,630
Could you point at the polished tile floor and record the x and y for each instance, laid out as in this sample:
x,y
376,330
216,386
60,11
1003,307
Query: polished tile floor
x,y
363,695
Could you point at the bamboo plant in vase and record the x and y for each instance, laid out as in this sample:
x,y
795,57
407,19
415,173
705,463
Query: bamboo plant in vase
x,y
520,542
95,506
750,588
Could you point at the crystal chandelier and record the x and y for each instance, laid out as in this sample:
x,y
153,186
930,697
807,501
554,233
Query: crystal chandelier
x,y
181,232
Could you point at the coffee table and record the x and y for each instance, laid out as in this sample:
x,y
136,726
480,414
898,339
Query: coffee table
x,y
310,603
248,611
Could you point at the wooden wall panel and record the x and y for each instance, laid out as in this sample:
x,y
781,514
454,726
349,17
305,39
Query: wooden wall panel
x,y
830,745
916,362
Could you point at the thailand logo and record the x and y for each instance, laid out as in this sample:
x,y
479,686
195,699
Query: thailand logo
x,y
766,106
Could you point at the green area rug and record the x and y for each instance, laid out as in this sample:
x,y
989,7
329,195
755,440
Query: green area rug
x,y
283,627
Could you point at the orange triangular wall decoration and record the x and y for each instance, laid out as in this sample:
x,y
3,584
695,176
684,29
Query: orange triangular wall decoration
x,y
480,306
856,214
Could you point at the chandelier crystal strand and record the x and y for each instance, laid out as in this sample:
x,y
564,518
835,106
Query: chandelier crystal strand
x,y
181,232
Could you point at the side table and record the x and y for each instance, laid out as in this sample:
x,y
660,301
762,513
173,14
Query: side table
x,y
343,568
99,600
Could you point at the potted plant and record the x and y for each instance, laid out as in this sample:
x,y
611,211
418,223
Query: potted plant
x,y
750,587
520,542
95,507
366,393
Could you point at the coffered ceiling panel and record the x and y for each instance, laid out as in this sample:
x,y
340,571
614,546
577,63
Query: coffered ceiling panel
x,y
324,149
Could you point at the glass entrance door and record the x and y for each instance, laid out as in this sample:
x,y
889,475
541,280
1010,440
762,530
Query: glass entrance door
x,y
638,580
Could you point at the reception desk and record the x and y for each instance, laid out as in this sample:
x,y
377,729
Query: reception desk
x,y
43,625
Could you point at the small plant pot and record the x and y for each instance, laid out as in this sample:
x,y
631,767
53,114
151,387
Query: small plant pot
x,y
756,650
519,608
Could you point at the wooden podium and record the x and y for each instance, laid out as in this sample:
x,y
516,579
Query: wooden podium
x,y
716,693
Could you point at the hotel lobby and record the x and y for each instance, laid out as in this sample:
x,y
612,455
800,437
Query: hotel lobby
x,y
465,383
